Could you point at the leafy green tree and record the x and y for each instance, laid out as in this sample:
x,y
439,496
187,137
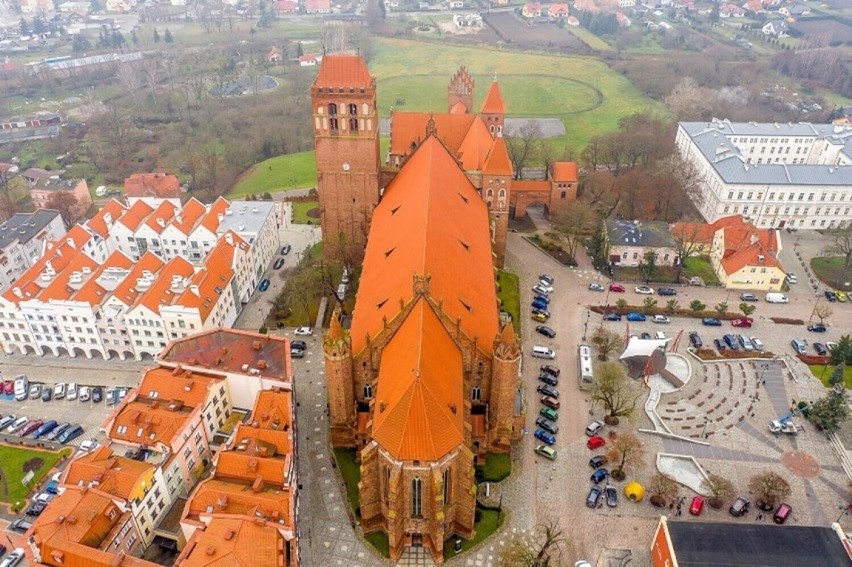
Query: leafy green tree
x,y
830,412
721,308
648,267
614,390
672,305
747,309
621,303
696,306
842,352
837,375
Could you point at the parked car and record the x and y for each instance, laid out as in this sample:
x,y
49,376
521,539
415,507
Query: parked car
x,y
616,288
594,496
546,331
666,291
599,475
548,391
745,343
539,317
595,286
45,428
89,445
97,394
18,424
22,385
264,285
548,413
719,344
594,428
52,487
782,513
830,345
303,331
742,322
70,434
791,278
612,317
20,525
550,402
35,509
819,328
546,452
59,390
695,340
748,297
72,391
30,427
595,442
548,378
841,296
285,249
799,346
542,289
111,397
298,349
57,431
644,290
35,391
644,336
830,296
598,461
542,298
696,506
85,394
550,369
661,319
541,311
7,421
711,322
633,316
538,304
740,506
8,387
546,278
46,395
539,351
15,557
611,495
820,349
544,436
547,425
278,263
731,341
758,344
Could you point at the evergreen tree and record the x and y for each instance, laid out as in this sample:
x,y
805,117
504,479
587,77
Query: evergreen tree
x,y
837,376
168,36
133,37
156,36
24,27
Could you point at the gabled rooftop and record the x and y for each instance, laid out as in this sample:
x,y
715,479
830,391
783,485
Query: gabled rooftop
x,y
23,227
135,215
343,71
110,473
494,103
159,185
234,542
106,217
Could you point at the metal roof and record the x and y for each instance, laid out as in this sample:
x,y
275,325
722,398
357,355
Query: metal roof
x,y
24,226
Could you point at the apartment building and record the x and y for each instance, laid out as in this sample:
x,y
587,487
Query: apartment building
x,y
42,189
774,175
23,239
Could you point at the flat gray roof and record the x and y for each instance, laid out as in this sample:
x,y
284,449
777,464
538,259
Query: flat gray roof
x,y
246,216
24,226
654,234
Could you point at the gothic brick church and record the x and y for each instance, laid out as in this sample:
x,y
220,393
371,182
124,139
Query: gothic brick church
x,y
425,381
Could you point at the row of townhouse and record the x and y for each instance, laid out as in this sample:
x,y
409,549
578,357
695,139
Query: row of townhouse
x,y
23,238
775,175
88,296
161,439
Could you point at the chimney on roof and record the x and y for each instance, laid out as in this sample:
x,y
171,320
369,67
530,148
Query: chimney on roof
x,y
760,258
255,345
210,550
229,238
70,242
194,289
187,387
222,501
221,217
161,222
252,465
261,364
229,535
18,293
257,485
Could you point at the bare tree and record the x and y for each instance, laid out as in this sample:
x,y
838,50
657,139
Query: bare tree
x,y
524,146
68,206
823,312
685,236
546,546
662,489
574,224
614,390
606,342
720,489
769,486
842,246
627,451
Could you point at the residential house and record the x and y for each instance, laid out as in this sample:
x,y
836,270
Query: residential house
x,y
626,4
23,239
629,242
153,188
622,20
283,7
755,6
42,189
745,257
843,117
731,11
317,6
586,5
572,21
531,10
309,60
119,6
558,11
777,28
391,4
794,10
36,6
455,4
274,56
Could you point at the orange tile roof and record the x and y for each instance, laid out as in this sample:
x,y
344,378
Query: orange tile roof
x,y
98,222
419,409
211,280
162,214
745,245
158,185
229,350
176,384
115,475
497,162
430,221
494,103
60,288
239,499
160,293
530,186
272,409
92,292
189,215
565,171
458,108
409,128
127,291
341,70
211,221
134,216
697,232
246,466
475,146
234,542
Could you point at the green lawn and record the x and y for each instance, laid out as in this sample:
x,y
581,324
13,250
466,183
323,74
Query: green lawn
x,y
379,540
498,466
280,173
14,461
489,521
350,470
509,296
590,39
823,372
830,271
300,212
700,266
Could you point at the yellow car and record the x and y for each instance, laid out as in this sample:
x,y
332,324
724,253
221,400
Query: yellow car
x,y
540,317
546,452
841,297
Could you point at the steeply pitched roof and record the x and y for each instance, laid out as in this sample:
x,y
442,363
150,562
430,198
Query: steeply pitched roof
x,y
112,211
207,284
158,185
475,145
494,103
418,414
115,475
221,496
186,219
128,290
167,286
211,220
498,162
431,222
233,542
161,217
134,216
745,245
409,128
343,70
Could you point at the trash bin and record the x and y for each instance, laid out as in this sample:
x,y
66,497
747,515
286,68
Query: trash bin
x,y
458,545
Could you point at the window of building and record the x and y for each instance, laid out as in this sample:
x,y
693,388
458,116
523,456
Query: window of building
x,y
332,113
368,391
446,486
476,394
416,498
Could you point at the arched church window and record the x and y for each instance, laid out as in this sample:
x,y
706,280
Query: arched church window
x,y
416,498
332,113
476,394
368,391
489,193
502,193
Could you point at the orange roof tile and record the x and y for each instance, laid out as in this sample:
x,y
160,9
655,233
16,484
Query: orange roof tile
x,y
341,70
409,128
160,218
497,162
233,542
475,146
211,221
158,185
114,209
189,215
458,108
745,245
430,221
92,292
239,499
494,103
273,410
60,288
418,414
565,171
160,293
530,186
697,232
127,291
211,280
115,475
134,216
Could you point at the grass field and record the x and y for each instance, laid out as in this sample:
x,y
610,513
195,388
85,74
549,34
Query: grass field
x,y
351,473
823,372
699,266
300,212
289,171
532,84
510,297
14,464
590,39
830,271
498,466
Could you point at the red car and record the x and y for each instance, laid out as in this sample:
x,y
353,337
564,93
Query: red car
x,y
595,442
9,387
617,288
742,322
696,506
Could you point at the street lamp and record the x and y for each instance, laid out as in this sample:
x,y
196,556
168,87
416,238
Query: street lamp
x,y
586,325
704,431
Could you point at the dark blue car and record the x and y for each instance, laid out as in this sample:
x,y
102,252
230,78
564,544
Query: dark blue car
x,y
711,322
731,342
543,435
546,300
538,304
45,429
599,475
635,316
264,285
612,317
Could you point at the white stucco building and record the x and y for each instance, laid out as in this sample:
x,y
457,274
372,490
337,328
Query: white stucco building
x,y
775,175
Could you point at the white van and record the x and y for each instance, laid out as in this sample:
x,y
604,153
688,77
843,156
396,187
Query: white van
x,y
776,298
22,387
543,352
